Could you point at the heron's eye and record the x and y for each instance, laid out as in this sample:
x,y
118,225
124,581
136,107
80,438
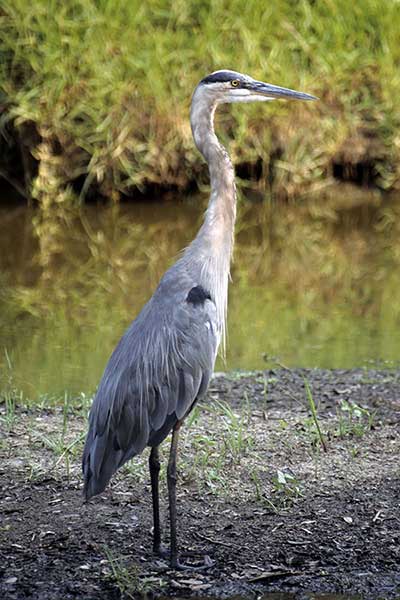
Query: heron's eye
x,y
235,83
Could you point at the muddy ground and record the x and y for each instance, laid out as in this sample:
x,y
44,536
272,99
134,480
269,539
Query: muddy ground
x,y
257,493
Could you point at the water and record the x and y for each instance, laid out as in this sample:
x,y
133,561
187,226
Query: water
x,y
314,285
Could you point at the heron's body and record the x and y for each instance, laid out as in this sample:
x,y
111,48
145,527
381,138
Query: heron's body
x,y
146,398
163,363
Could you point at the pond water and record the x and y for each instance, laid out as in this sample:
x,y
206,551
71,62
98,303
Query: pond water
x,y
313,284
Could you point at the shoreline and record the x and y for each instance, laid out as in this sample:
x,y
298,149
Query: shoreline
x,y
257,492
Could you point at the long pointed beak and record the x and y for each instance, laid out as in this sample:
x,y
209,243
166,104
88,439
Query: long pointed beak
x,y
274,91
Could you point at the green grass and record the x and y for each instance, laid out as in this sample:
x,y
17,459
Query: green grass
x,y
215,441
284,488
62,444
319,436
127,577
236,439
224,451
353,420
10,395
107,86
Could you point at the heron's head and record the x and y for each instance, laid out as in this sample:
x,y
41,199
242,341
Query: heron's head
x,y
230,86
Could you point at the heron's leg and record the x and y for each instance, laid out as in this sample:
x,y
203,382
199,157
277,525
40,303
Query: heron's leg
x,y
171,480
154,465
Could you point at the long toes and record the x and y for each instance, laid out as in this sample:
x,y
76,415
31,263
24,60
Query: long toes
x,y
207,564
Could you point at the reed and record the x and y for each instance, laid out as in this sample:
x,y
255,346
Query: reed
x,y
95,95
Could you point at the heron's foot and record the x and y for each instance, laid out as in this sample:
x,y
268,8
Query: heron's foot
x,y
178,565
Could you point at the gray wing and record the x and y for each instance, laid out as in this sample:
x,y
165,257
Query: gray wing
x,y
160,367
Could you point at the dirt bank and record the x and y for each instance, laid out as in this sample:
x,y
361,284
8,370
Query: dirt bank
x,y
257,493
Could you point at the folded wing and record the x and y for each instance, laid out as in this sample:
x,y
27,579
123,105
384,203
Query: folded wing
x,y
159,369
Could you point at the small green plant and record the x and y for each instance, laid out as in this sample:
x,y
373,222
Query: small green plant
x,y
255,477
266,382
62,449
216,481
236,437
193,416
60,443
314,417
10,396
35,471
9,415
202,461
137,468
286,487
127,577
353,420
261,496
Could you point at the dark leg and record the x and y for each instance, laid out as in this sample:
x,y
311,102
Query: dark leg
x,y
171,479
154,464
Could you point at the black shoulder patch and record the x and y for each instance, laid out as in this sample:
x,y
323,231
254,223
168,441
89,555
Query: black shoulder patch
x,y
220,77
198,295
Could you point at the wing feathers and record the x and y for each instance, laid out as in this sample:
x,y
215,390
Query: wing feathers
x,y
156,373
159,410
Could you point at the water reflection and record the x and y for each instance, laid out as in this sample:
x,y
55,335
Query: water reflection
x,y
313,285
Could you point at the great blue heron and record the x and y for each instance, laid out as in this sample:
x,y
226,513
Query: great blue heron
x,y
163,363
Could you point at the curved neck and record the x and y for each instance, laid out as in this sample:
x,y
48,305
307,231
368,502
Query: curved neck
x,y
220,216
209,255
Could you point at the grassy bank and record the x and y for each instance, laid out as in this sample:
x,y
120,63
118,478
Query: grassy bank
x,y
95,95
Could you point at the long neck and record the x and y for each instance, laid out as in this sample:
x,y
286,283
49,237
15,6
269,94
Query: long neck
x,y
220,216
213,245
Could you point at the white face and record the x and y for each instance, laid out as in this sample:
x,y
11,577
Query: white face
x,y
230,86
234,91
230,94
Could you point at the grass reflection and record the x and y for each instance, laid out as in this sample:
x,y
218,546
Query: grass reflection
x,y
313,285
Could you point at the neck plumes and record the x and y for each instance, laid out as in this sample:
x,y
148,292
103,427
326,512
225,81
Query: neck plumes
x,y
213,244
